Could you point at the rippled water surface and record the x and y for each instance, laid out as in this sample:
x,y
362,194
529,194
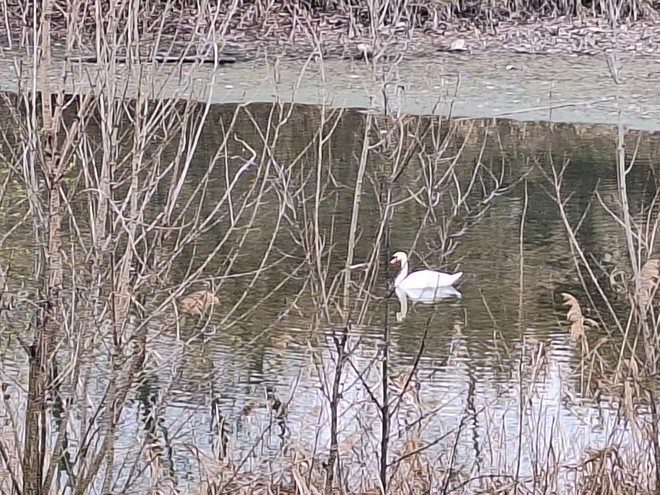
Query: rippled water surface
x,y
498,383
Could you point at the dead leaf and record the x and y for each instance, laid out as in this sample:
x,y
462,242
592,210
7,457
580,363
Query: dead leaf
x,y
197,302
281,342
574,316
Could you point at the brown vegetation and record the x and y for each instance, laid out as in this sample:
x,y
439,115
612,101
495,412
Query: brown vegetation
x,y
244,28
196,303
124,228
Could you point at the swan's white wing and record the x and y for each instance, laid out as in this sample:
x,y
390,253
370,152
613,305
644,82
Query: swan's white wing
x,y
445,279
430,278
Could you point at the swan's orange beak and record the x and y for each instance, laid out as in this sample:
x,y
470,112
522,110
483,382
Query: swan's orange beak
x,y
393,261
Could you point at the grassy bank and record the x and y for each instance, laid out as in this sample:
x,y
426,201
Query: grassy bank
x,y
416,14
489,12
337,27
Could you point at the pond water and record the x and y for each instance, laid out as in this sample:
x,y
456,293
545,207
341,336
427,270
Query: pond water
x,y
499,389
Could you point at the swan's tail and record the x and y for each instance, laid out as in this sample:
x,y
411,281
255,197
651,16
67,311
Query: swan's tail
x,y
454,278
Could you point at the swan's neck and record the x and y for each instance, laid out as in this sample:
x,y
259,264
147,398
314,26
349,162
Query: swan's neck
x,y
402,274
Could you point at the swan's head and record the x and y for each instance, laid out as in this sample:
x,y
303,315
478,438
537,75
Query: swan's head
x,y
399,257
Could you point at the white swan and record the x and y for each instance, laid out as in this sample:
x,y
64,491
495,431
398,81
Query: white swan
x,y
420,279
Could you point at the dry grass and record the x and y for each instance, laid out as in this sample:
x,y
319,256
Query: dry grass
x,y
335,27
414,14
417,13
126,229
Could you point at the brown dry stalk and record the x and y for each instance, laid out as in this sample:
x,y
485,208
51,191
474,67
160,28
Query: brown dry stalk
x,y
53,156
648,283
574,317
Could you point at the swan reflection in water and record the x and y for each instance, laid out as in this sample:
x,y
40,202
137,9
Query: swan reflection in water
x,y
427,295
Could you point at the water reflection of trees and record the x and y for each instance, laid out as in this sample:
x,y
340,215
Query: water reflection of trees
x,y
492,317
489,245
